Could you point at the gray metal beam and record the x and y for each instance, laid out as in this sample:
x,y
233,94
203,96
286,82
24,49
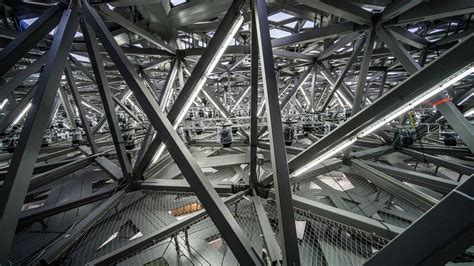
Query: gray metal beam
x,y
453,60
456,119
115,17
292,92
358,47
364,70
459,168
410,65
67,106
317,34
22,164
61,245
341,8
393,186
19,78
434,10
107,99
433,182
38,214
253,180
269,240
189,90
452,219
397,7
13,114
341,42
80,108
219,213
288,243
345,217
28,38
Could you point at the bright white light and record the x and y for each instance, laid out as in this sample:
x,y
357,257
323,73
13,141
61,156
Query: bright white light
x,y
418,100
325,156
461,102
3,104
469,113
203,79
91,107
21,114
111,7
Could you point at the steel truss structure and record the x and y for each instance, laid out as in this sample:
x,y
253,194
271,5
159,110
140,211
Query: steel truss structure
x,y
344,132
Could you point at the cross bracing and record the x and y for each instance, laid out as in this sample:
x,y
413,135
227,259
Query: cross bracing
x,y
236,132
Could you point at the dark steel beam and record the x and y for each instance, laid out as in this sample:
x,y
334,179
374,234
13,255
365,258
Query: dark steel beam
x,y
62,244
452,219
107,99
80,107
219,213
28,38
22,164
191,87
288,241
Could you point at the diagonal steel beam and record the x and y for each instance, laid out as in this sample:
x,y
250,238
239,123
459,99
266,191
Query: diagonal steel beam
x,y
67,106
340,79
197,78
452,219
341,8
135,29
364,70
27,39
218,211
286,219
80,108
19,78
22,164
107,99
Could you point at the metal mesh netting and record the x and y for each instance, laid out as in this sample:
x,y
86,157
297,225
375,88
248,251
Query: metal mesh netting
x,y
321,241
356,194
326,242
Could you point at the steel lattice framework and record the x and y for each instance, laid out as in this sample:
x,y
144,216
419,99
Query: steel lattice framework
x,y
344,132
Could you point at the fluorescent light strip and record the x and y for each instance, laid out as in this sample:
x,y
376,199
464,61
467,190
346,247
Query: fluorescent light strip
x,y
325,156
202,81
88,105
3,103
461,102
418,100
17,119
469,113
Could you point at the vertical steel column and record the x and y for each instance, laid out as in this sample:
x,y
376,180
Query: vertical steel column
x,y
286,218
22,164
382,84
80,108
253,106
27,39
107,100
218,211
67,106
364,70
